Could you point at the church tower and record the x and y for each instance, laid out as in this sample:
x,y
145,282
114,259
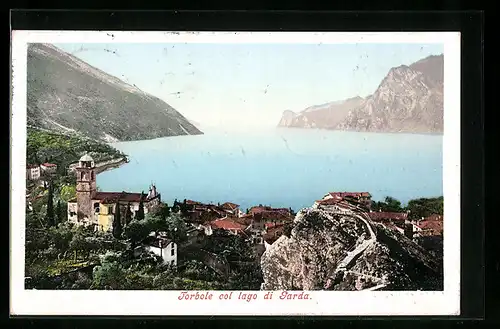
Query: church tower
x,y
85,186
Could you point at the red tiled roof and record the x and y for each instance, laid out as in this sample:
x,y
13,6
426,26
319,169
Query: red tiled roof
x,y
230,206
433,226
275,215
112,197
259,209
434,217
273,234
46,164
377,215
227,225
191,202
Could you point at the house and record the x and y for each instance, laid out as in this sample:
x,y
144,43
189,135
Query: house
x,y
430,226
259,209
48,168
232,209
228,225
165,248
256,229
32,172
363,198
394,217
93,208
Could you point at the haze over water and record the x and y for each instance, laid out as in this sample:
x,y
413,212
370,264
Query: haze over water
x,y
281,167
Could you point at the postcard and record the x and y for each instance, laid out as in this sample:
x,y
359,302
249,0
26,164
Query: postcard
x,y
235,173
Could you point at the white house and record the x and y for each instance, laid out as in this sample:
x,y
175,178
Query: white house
x,y
162,247
48,168
32,172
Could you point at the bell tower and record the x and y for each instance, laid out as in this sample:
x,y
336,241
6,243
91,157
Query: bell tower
x,y
85,186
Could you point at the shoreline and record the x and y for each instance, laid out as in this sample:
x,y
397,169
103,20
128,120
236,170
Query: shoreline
x,y
367,131
105,165
111,164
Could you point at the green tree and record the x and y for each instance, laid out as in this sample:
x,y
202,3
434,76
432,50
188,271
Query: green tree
x,y
49,216
128,214
176,228
140,212
184,208
59,213
137,231
117,222
392,204
165,209
110,275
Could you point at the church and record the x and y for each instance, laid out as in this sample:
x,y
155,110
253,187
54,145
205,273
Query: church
x,y
97,209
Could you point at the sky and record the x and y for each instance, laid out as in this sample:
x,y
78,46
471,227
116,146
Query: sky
x,y
250,85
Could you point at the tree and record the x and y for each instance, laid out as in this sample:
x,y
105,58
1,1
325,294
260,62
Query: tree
x,y
49,217
176,228
165,211
137,231
184,208
393,205
117,222
140,212
128,215
59,213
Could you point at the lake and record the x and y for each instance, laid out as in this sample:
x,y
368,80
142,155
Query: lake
x,y
280,167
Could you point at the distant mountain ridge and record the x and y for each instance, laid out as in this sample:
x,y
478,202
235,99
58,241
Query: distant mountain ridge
x,y
409,99
67,95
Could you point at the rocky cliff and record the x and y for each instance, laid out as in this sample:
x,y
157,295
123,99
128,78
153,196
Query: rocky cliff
x,y
66,94
329,249
409,99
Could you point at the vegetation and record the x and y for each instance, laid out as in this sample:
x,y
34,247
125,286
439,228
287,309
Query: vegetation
x,y
425,207
117,223
417,208
63,150
140,211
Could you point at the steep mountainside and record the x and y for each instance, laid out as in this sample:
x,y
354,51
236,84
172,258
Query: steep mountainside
x,y
326,116
329,249
66,94
409,99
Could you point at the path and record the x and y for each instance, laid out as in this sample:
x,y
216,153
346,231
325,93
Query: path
x,y
346,263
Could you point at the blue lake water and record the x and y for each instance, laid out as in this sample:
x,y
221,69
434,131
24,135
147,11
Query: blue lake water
x,y
280,167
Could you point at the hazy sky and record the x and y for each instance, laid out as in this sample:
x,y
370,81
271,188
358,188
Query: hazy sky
x,y
229,84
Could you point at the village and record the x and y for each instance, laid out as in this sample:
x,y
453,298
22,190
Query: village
x,y
260,225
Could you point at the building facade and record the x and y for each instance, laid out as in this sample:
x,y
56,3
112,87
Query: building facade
x,y
93,208
32,172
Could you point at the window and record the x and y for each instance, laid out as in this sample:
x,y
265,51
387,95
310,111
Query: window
x,y
92,175
172,250
72,214
81,175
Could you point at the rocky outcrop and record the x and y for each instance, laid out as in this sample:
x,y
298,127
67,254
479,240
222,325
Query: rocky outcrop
x,y
67,95
331,249
409,99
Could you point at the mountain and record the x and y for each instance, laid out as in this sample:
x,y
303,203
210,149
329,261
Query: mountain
x,y
325,116
409,99
329,249
66,94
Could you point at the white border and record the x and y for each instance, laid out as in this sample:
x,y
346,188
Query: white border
x,y
33,302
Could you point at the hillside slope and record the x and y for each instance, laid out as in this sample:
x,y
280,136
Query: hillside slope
x,y
66,94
